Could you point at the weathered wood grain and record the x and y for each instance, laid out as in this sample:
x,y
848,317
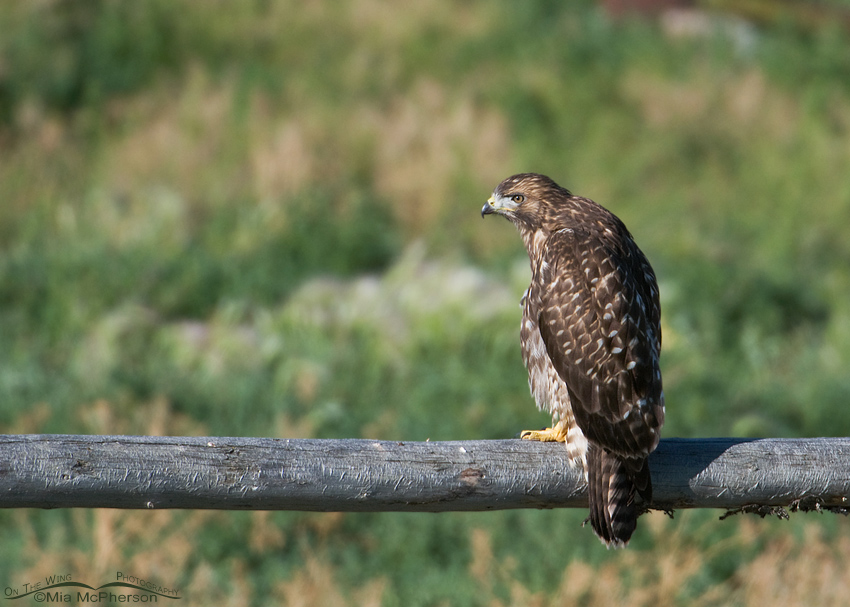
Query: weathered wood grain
x,y
68,471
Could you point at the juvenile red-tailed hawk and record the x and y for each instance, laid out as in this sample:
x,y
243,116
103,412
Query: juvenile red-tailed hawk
x,y
591,338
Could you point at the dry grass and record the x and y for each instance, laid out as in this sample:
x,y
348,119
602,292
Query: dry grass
x,y
740,104
790,573
188,152
634,577
787,572
314,585
423,144
172,137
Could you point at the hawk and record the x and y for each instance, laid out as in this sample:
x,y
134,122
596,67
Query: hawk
x,y
591,339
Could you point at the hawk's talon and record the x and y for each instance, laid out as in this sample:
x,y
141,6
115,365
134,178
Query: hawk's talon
x,y
555,434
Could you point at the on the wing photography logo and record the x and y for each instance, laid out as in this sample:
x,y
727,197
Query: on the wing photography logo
x,y
63,589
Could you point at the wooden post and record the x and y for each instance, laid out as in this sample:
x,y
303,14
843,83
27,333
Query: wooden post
x,y
67,471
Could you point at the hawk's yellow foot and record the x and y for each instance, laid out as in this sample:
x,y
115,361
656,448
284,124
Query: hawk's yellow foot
x,y
555,434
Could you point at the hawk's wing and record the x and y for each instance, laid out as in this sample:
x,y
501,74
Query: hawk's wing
x,y
600,321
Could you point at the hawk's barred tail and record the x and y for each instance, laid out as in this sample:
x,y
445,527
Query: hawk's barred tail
x,y
611,495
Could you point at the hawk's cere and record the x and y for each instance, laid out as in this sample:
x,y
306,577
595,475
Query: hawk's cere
x,y
591,338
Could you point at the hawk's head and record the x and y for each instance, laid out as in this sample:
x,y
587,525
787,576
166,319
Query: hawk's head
x,y
529,200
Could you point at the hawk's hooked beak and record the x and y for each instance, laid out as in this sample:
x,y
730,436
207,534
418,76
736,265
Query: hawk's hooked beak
x,y
501,205
488,207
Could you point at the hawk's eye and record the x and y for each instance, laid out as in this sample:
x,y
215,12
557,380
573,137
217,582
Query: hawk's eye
x,y
518,198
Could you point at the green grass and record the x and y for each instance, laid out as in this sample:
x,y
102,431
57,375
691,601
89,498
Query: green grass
x,y
263,219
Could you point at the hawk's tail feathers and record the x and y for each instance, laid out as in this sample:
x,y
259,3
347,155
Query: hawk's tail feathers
x,y
612,485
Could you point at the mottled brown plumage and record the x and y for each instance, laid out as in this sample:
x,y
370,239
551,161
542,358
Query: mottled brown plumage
x,y
591,339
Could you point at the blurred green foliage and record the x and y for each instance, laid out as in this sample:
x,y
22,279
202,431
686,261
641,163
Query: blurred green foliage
x,y
261,218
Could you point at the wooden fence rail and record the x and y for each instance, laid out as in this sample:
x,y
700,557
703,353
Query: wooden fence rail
x,y
70,471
